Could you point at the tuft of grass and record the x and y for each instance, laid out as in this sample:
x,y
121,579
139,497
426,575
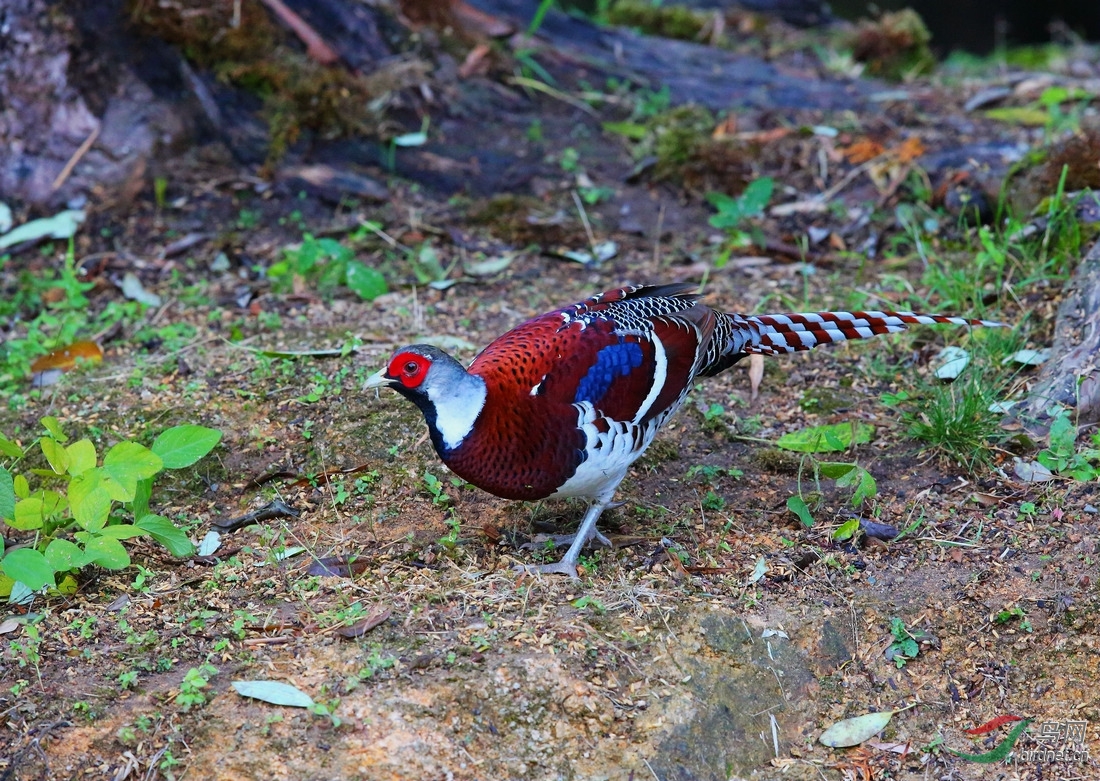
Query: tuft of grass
x,y
956,422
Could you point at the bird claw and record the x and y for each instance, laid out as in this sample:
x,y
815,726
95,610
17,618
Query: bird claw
x,y
561,540
560,568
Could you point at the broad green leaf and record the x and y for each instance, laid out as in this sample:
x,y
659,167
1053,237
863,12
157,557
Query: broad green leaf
x,y
799,507
631,130
823,439
67,585
366,282
756,196
182,446
81,456
90,499
7,495
28,566
167,534
852,732
1020,115
22,487
28,514
1063,436
128,462
851,475
53,426
105,552
1001,751
10,449
122,531
56,454
274,692
140,505
846,530
64,555
834,470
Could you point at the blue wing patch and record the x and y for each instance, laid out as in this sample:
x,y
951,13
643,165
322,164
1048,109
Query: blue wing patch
x,y
616,360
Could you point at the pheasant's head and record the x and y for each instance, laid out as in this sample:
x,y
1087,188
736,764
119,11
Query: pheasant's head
x,y
449,396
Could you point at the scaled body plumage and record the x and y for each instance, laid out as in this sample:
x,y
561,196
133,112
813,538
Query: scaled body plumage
x,y
563,404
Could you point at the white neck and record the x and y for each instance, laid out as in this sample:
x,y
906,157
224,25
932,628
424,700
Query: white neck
x,y
457,407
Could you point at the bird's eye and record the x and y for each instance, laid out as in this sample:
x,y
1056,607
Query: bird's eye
x,y
411,368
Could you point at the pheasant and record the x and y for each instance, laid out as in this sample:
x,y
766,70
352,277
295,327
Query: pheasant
x,y
562,405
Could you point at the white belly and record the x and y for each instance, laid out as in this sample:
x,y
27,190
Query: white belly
x,y
610,454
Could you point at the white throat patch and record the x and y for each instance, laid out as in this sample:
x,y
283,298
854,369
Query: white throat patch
x,y
457,407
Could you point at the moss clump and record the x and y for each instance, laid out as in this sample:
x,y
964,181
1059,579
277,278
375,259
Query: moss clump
x,y
682,142
1078,156
665,21
254,53
895,46
661,451
772,459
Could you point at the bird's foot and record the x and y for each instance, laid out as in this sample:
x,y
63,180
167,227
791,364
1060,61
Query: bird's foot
x,y
560,568
561,540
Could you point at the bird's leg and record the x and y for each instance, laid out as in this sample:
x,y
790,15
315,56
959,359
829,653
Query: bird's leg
x,y
587,531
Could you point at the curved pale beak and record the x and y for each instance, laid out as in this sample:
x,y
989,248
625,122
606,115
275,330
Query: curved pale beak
x,y
378,380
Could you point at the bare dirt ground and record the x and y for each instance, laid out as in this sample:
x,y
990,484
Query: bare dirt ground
x,y
653,665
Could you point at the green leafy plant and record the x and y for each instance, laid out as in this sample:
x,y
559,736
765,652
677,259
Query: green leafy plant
x,y
905,647
827,439
435,488
327,264
1063,458
46,312
192,687
1012,613
86,507
450,539
708,473
1057,109
735,215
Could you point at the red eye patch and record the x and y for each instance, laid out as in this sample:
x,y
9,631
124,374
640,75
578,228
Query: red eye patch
x,y
409,369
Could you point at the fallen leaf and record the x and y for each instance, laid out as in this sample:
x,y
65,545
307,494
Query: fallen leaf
x,y
360,628
895,748
759,571
9,625
62,225
1029,357
852,732
338,566
132,288
65,358
210,543
274,692
952,361
1031,471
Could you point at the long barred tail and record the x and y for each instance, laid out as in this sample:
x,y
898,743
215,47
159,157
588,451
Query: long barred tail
x,y
738,335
